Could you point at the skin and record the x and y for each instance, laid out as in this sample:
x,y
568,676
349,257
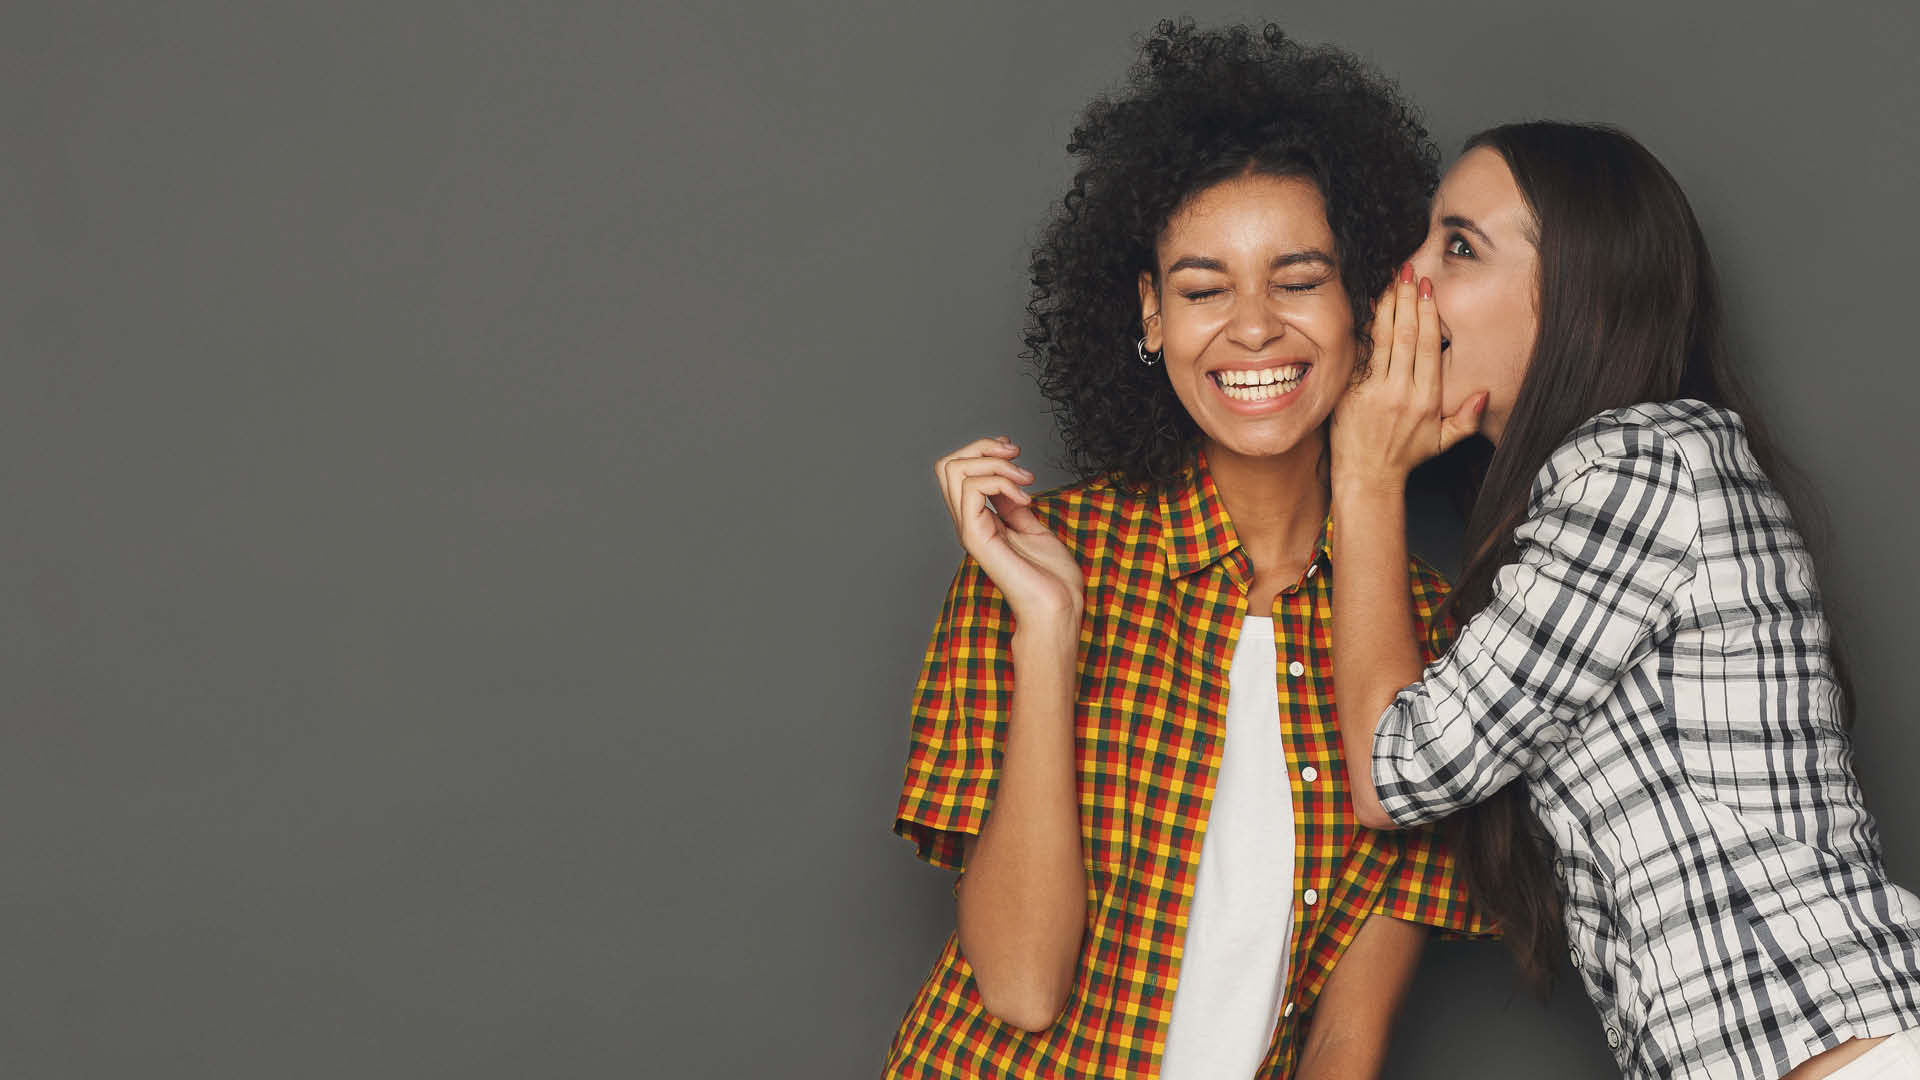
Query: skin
x,y
1442,370
1481,257
1246,279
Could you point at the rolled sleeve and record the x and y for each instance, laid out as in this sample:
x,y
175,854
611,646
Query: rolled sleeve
x,y
1610,538
960,708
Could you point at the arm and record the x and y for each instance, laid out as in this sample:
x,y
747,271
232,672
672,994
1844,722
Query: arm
x,y
1602,563
1354,1016
1022,900
1383,429
1609,541
1021,903
1375,652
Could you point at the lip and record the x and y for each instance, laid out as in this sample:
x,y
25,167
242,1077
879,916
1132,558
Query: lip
x,y
1270,405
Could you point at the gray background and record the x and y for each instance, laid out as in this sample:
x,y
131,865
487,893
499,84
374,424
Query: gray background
x,y
468,535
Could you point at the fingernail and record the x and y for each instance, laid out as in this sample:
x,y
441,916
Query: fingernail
x,y
1406,273
1426,288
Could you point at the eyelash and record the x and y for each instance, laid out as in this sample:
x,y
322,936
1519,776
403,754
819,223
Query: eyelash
x,y
1205,293
1456,238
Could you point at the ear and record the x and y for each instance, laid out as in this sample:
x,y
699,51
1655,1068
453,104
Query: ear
x,y
1150,312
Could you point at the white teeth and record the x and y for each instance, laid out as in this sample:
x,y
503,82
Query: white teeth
x,y
1259,393
1259,385
1263,377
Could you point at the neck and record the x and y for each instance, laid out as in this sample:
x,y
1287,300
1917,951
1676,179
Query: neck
x,y
1277,502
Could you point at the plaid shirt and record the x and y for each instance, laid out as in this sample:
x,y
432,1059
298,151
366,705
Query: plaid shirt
x,y
1656,665
1167,582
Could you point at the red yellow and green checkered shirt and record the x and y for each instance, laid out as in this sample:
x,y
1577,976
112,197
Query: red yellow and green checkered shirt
x,y
1166,591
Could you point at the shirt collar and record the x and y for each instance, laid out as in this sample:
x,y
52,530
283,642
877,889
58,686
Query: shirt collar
x,y
1196,531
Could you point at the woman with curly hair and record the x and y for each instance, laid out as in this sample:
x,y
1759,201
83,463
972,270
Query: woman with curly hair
x,y
1123,734
1644,676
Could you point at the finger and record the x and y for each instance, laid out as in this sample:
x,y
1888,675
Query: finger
x,y
954,468
1463,423
998,446
1381,359
1017,516
1406,325
1426,351
985,466
979,521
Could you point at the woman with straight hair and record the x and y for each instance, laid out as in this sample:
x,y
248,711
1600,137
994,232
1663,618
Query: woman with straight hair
x,y
1643,705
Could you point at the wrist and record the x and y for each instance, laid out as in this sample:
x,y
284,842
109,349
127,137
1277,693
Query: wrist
x,y
1054,639
1371,486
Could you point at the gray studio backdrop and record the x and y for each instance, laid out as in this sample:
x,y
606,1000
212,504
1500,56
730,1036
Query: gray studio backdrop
x,y
468,535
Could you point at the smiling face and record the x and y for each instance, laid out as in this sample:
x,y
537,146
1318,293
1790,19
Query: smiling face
x,y
1250,315
1481,253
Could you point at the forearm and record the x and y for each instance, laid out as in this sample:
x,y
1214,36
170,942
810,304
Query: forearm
x,y
1353,1020
1022,899
1375,652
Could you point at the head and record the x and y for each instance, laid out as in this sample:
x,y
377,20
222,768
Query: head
x,y
1238,204
1570,278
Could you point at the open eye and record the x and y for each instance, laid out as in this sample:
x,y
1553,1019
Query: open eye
x,y
1457,245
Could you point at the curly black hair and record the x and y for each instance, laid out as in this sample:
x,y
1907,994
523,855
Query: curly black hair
x,y
1199,107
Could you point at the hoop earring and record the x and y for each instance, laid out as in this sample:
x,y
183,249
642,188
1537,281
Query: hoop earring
x,y
1141,348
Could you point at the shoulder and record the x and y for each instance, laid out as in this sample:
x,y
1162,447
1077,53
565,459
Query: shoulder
x,y
1661,443
1094,517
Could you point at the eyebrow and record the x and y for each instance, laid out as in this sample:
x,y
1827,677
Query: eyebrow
x,y
1455,221
1280,262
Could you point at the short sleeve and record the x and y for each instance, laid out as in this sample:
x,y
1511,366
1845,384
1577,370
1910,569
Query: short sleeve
x,y
1426,887
1610,539
959,714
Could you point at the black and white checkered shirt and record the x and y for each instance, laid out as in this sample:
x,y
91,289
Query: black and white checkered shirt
x,y
1656,666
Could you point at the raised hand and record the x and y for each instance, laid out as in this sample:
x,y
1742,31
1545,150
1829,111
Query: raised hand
x,y
994,519
1391,421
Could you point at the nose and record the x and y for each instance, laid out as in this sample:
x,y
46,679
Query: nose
x,y
1254,323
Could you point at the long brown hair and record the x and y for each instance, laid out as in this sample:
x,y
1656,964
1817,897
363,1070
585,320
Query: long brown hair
x,y
1629,312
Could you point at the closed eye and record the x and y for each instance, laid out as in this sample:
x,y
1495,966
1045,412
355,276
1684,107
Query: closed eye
x,y
1203,294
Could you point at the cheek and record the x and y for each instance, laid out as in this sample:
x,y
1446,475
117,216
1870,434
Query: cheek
x,y
1520,324
1187,332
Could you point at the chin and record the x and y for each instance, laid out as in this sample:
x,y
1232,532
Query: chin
x,y
1274,442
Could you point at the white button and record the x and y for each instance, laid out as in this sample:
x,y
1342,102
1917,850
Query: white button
x,y
1288,1010
1575,955
1296,669
1310,897
1613,1038
1309,774
1312,570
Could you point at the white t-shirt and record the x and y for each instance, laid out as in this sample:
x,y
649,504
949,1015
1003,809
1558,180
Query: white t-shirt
x,y
1233,970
